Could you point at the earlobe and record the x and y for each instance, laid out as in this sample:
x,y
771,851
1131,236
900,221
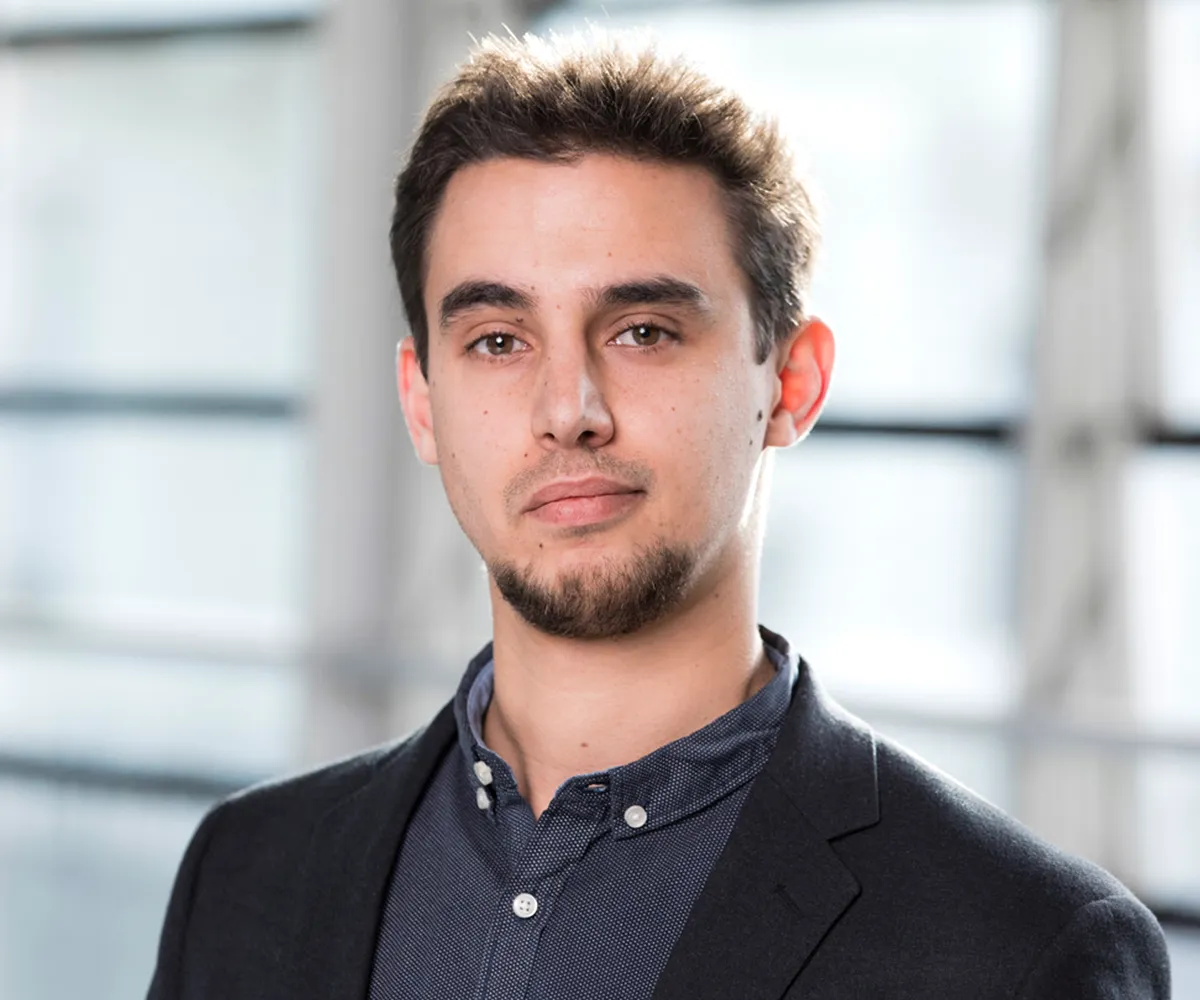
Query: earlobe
x,y
804,371
414,401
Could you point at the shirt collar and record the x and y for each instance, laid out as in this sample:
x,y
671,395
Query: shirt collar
x,y
670,783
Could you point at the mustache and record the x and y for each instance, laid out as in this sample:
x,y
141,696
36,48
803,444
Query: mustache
x,y
560,465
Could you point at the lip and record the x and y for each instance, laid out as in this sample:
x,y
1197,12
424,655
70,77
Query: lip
x,y
568,489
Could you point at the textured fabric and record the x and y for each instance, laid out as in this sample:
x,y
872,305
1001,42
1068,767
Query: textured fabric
x,y
611,897
854,870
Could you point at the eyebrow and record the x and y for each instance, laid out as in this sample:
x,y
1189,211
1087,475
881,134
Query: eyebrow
x,y
472,294
660,290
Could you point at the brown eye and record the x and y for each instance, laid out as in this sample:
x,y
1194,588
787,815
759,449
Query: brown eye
x,y
496,345
641,335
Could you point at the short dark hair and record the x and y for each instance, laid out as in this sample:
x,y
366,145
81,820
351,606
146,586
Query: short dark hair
x,y
557,99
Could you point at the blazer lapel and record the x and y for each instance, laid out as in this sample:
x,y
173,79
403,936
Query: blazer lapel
x,y
778,887
349,866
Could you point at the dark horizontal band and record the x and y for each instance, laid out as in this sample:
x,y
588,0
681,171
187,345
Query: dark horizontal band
x,y
71,402
996,432
111,777
120,31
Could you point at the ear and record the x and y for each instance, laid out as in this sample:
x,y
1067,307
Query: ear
x,y
804,366
414,400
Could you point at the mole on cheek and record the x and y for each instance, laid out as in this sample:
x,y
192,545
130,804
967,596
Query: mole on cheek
x,y
759,414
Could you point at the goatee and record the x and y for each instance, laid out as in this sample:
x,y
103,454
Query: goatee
x,y
603,601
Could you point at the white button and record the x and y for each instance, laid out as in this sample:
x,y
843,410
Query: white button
x,y
635,816
525,906
482,799
483,772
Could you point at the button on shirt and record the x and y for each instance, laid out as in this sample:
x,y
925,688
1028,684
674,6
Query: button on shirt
x,y
586,901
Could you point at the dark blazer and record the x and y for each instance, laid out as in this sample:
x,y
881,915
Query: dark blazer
x,y
854,871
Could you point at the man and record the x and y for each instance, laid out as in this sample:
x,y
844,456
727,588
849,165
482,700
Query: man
x,y
636,792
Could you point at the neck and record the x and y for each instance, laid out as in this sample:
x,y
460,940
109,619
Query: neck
x,y
563,707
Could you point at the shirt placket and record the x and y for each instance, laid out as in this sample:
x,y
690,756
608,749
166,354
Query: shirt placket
x,y
561,836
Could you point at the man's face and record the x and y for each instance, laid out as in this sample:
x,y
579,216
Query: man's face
x,y
594,402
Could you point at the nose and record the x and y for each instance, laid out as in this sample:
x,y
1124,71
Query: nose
x,y
570,409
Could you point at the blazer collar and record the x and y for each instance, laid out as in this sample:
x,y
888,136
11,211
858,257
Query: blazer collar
x,y
775,891
349,866
779,886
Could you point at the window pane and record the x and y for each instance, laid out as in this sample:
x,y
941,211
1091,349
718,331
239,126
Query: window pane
x,y
1169,818
889,565
164,526
923,126
1184,945
1175,65
86,880
1163,538
157,213
230,720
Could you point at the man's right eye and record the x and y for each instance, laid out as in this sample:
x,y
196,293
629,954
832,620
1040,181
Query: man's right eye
x,y
497,345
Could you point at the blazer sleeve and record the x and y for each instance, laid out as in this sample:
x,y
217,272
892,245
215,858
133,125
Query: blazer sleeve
x,y
1110,948
167,983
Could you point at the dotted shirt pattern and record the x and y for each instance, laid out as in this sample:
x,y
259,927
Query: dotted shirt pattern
x,y
587,901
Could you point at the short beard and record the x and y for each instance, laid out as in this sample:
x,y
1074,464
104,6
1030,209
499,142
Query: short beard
x,y
604,601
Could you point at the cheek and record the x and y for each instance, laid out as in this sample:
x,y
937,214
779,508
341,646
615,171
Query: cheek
x,y
459,457
736,447
481,445
707,442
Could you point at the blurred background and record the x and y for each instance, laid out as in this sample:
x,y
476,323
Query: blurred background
x,y
219,560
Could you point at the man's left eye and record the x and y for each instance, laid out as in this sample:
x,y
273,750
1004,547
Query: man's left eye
x,y
641,335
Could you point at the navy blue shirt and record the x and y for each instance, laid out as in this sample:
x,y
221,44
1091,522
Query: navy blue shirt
x,y
586,902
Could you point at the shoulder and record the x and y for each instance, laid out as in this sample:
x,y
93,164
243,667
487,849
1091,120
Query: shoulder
x,y
248,869
277,817
957,832
255,841
946,873
300,799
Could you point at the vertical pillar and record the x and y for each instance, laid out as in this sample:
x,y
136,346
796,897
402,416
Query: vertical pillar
x,y
1095,365
396,601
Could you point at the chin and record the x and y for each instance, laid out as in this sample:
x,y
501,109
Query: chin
x,y
602,596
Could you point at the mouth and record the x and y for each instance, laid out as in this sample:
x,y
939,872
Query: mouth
x,y
573,503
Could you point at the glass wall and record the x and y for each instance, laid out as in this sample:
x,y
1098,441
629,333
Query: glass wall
x,y
161,164
158,230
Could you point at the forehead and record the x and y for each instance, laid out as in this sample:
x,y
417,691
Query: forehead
x,y
554,227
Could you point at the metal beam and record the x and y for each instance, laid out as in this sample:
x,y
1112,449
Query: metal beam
x,y
113,778
64,402
1094,387
127,31
990,432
